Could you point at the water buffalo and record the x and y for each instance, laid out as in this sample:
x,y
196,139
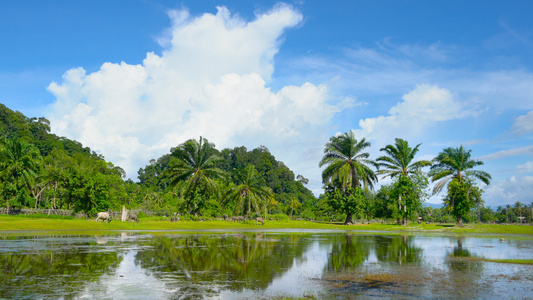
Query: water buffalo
x,y
226,218
134,218
238,219
104,216
175,217
260,220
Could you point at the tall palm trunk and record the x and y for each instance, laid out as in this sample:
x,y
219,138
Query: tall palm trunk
x,y
405,215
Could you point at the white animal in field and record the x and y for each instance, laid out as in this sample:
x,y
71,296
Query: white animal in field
x,y
104,216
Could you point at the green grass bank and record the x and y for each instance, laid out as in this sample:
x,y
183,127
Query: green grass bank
x,y
32,223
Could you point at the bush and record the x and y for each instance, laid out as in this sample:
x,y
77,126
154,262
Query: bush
x,y
308,214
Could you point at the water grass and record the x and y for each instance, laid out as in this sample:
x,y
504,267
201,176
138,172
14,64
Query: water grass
x,y
501,261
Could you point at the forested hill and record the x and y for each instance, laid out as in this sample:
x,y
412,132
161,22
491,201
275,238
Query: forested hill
x,y
42,170
271,173
36,131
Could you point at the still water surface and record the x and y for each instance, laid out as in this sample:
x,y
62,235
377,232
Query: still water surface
x,y
263,265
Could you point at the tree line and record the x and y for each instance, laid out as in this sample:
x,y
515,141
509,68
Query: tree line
x,y
349,174
41,170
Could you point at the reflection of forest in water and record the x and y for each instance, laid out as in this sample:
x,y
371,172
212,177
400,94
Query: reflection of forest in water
x,y
44,269
198,265
349,251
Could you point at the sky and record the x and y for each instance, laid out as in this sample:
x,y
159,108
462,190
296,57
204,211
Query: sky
x,y
131,79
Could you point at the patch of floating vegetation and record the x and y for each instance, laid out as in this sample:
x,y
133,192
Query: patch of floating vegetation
x,y
502,261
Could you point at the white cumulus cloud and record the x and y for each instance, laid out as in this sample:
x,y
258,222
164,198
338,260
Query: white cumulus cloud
x,y
421,107
509,191
523,124
211,80
525,168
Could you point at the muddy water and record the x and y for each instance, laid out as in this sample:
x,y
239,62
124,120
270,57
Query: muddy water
x,y
263,265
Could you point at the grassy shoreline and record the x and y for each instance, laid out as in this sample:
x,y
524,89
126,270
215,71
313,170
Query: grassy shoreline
x,y
13,224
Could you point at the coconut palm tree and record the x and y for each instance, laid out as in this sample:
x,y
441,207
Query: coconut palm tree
x,y
347,163
398,161
518,207
347,166
455,163
197,166
294,204
454,167
507,208
250,193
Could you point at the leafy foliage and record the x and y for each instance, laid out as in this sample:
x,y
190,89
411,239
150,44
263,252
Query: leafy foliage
x,y
462,197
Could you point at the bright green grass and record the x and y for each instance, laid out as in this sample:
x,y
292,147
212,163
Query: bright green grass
x,y
27,223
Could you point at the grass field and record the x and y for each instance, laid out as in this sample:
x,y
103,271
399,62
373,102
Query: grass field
x,y
31,223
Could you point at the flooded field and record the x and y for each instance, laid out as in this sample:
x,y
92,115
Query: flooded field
x,y
263,265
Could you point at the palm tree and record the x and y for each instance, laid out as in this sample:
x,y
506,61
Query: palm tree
x,y
398,161
454,166
250,193
507,207
294,204
19,165
347,164
197,165
518,207
455,163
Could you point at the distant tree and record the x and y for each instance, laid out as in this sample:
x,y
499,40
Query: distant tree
x,y
461,198
518,207
398,163
454,166
302,179
294,204
349,201
197,166
347,166
249,195
455,163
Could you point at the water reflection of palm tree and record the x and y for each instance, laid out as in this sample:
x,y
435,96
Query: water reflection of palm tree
x,y
234,261
397,249
463,272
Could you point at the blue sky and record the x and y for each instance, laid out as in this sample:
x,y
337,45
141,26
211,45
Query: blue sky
x,y
131,79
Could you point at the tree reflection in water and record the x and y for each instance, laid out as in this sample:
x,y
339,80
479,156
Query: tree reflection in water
x,y
373,266
463,271
398,249
53,272
203,264
259,265
351,251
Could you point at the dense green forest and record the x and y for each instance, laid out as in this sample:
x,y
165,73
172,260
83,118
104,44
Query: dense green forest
x,y
39,169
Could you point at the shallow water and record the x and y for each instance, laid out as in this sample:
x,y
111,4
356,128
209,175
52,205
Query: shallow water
x,y
263,265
